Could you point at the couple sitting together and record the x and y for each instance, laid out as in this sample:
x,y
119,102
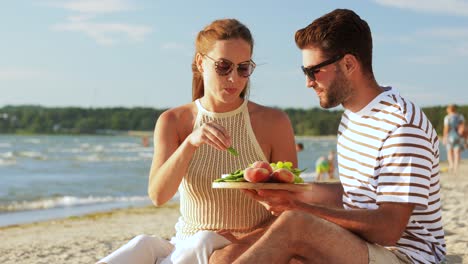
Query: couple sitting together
x,y
386,207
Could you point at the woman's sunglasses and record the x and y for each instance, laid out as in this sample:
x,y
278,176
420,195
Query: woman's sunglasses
x,y
312,70
224,67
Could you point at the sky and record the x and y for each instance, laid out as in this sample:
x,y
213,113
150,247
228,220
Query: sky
x,y
137,53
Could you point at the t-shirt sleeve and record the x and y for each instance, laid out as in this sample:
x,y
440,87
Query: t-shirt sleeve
x,y
406,167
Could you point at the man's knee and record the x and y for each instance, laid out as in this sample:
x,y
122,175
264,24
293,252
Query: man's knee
x,y
294,219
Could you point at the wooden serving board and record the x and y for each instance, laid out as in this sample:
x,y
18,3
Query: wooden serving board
x,y
263,185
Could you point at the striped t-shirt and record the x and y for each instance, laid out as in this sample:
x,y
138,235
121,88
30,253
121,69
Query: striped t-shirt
x,y
389,152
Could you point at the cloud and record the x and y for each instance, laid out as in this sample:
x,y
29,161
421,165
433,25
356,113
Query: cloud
x,y
453,33
462,49
420,95
430,60
446,7
20,74
448,42
173,46
93,6
85,13
104,33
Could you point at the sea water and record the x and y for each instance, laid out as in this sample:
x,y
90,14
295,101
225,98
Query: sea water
x,y
48,177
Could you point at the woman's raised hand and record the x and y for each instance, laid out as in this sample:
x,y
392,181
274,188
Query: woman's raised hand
x,y
212,134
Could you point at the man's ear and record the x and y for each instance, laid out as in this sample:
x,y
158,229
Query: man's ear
x,y
351,63
199,62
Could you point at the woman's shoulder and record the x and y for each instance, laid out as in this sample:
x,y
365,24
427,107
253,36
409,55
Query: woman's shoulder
x,y
180,113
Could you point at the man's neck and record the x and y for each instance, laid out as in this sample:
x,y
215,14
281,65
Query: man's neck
x,y
364,92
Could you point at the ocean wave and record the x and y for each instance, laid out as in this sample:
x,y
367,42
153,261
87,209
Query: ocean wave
x,y
7,162
31,154
125,145
5,145
11,155
32,140
67,201
102,158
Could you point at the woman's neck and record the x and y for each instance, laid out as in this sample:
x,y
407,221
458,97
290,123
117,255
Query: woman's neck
x,y
220,107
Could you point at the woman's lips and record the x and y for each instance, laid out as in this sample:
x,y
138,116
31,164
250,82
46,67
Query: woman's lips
x,y
231,90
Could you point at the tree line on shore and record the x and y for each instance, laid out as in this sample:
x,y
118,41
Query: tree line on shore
x,y
75,120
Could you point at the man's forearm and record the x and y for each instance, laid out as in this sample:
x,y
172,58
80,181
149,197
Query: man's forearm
x,y
326,194
383,225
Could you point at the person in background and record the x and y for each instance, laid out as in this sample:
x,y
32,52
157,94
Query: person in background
x,y
325,167
299,147
453,137
190,143
145,141
386,207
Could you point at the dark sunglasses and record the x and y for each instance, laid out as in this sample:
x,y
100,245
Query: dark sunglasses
x,y
224,67
312,70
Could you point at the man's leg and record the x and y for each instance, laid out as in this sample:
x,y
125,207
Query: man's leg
x,y
306,237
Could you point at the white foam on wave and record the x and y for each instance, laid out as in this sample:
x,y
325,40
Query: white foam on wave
x,y
66,150
33,140
5,145
102,158
7,162
67,201
32,155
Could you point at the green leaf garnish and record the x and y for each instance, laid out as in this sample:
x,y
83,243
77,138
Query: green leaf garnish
x,y
232,151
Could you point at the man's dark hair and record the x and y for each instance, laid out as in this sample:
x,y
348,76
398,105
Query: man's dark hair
x,y
337,33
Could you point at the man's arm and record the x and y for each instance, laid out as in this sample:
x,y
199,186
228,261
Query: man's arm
x,y
384,225
327,194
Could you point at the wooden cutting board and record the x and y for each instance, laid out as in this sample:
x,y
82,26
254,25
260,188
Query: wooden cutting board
x,y
263,185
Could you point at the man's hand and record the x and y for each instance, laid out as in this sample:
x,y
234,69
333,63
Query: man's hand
x,y
275,201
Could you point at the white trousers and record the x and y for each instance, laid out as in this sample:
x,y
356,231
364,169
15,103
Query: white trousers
x,y
145,249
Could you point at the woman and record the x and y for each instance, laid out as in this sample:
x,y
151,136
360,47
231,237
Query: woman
x,y
452,138
190,151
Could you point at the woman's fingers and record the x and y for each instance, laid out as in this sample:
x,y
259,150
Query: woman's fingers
x,y
220,133
215,135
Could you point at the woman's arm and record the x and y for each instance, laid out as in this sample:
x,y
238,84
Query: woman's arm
x,y
170,159
445,131
172,153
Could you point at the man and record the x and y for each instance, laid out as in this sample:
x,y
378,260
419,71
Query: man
x,y
387,207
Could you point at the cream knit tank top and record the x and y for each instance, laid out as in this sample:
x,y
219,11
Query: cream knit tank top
x,y
204,208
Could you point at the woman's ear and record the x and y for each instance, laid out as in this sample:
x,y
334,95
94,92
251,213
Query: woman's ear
x,y
199,62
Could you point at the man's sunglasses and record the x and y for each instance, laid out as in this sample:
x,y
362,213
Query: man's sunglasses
x,y
224,67
312,70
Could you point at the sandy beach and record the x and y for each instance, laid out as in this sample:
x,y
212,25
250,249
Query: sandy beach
x,y
86,239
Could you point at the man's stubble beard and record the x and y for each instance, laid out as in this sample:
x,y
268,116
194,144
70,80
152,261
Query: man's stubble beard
x,y
338,91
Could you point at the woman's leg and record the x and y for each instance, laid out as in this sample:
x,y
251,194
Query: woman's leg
x,y
456,159
450,157
197,248
141,249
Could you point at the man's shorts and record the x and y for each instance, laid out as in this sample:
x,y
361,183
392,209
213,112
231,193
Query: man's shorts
x,y
381,255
